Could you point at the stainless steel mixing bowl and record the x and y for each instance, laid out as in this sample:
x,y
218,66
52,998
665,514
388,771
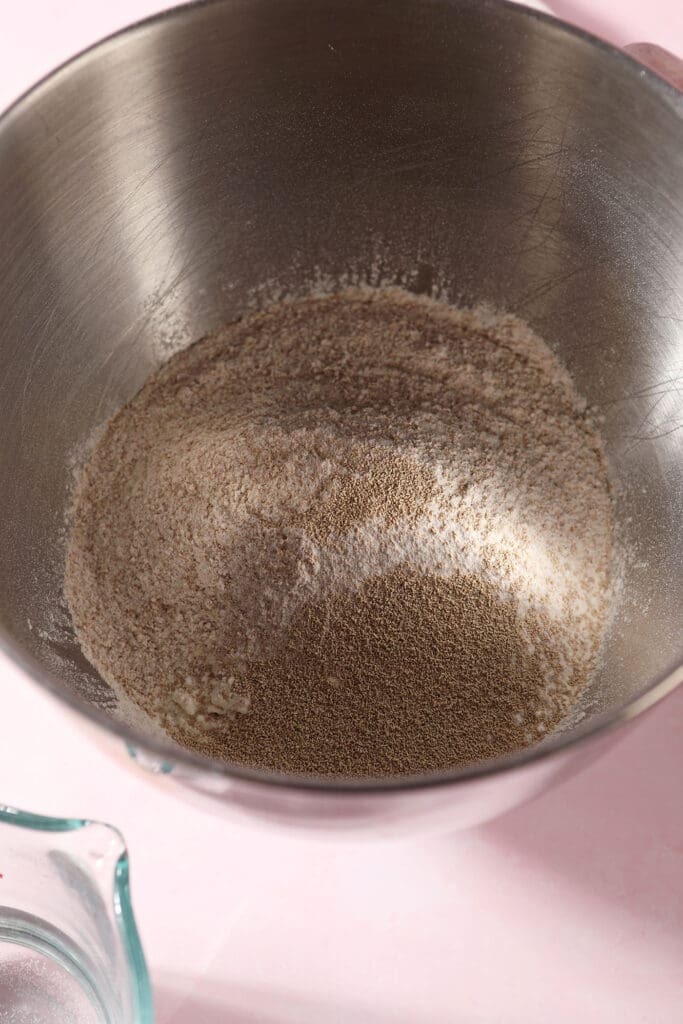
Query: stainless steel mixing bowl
x,y
161,182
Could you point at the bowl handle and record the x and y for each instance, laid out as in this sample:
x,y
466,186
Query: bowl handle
x,y
659,60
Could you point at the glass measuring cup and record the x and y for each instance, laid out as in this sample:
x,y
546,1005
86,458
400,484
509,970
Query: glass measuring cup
x,y
69,947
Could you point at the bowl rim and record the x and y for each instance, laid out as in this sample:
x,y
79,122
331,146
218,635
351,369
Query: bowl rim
x,y
172,754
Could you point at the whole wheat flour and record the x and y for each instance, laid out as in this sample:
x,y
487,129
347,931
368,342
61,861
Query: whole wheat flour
x,y
358,535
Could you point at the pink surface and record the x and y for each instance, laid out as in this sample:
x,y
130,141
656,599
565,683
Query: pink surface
x,y
570,909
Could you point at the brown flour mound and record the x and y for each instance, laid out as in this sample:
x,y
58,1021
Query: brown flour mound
x,y
402,675
357,535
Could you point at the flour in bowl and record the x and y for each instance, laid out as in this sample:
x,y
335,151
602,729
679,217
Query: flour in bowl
x,y
358,535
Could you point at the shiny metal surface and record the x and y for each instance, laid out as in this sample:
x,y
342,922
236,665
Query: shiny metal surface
x,y
163,181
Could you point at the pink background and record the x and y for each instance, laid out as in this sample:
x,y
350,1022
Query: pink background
x,y
569,909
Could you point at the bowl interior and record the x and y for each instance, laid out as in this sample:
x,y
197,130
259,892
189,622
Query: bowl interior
x,y
225,154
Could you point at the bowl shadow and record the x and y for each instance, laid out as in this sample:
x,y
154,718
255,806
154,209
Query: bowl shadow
x,y
616,830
